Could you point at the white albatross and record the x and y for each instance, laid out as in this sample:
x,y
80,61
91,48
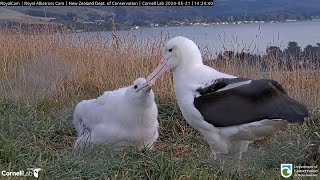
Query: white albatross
x,y
120,118
229,112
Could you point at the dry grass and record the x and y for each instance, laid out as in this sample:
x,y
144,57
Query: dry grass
x,y
64,64
39,63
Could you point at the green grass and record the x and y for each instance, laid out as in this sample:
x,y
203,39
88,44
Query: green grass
x,y
40,134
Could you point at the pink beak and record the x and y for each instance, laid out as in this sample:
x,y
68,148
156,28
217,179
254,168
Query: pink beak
x,y
161,69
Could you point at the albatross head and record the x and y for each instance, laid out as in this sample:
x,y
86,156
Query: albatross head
x,y
179,52
139,93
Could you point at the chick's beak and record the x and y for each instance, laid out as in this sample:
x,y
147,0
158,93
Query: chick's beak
x,y
147,88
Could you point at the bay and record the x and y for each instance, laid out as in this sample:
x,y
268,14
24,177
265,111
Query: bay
x,y
253,38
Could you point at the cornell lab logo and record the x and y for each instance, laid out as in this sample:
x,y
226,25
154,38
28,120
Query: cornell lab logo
x,y
286,170
30,172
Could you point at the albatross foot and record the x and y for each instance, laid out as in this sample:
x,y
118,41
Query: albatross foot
x,y
214,156
240,161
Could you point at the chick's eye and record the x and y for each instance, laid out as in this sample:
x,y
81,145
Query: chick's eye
x,y
135,86
170,50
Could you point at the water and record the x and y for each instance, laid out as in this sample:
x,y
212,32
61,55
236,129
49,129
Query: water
x,y
244,37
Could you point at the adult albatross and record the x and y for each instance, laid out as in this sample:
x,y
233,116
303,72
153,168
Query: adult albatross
x,y
229,112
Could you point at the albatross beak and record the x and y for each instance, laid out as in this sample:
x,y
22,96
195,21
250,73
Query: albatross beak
x,y
161,69
147,89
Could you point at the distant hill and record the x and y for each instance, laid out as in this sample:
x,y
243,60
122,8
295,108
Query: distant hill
x,y
58,11
14,16
223,10
72,17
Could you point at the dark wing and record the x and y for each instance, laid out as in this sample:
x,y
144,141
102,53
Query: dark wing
x,y
260,99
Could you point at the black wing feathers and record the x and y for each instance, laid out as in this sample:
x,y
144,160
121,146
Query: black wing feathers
x,y
260,99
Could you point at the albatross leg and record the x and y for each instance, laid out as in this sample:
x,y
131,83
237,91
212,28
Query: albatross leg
x,y
240,147
240,160
240,157
217,145
214,153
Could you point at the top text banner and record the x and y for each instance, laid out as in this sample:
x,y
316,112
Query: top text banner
x,y
110,3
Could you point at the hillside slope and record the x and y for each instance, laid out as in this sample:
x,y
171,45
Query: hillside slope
x,y
14,16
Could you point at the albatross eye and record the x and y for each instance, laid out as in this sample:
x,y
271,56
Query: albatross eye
x,y
170,50
135,86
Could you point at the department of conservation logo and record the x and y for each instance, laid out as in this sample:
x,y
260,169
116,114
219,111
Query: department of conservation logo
x,y
286,170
